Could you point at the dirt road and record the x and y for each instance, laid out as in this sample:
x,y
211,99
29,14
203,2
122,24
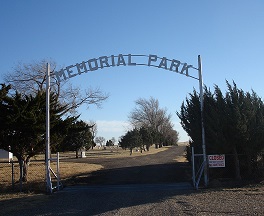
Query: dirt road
x,y
157,168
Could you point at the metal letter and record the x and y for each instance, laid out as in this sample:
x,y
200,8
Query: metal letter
x,y
70,71
151,58
121,60
129,60
113,60
163,63
176,64
103,60
185,68
80,67
59,74
95,64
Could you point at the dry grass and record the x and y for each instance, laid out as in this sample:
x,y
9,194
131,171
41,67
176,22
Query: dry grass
x,y
68,169
36,172
109,152
119,153
181,158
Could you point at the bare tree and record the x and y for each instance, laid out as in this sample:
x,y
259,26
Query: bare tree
x,y
100,140
113,140
31,78
93,129
147,113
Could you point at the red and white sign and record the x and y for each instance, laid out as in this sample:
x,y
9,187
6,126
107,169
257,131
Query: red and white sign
x,y
215,161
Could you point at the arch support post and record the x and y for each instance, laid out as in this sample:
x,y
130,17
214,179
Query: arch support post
x,y
47,155
202,121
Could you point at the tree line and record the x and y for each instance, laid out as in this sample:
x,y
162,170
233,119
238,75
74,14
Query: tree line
x,y
234,125
152,125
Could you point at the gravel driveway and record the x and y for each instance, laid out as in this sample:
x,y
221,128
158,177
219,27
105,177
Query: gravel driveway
x,y
141,187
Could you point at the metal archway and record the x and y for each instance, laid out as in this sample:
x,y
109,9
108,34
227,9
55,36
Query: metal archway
x,y
94,64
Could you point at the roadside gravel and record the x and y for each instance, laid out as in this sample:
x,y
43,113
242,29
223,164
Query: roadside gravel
x,y
139,186
141,201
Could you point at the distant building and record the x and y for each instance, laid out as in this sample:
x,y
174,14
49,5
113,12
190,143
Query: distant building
x,y
6,155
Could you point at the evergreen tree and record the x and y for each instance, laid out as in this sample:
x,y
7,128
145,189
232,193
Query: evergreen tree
x,y
234,124
22,128
78,137
131,140
147,138
109,143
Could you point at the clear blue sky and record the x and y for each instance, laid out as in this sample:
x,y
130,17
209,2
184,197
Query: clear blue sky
x,y
229,36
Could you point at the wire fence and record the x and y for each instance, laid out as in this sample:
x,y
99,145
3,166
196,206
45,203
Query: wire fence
x,y
36,177
250,168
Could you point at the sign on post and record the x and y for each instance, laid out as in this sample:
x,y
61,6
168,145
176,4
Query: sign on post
x,y
215,161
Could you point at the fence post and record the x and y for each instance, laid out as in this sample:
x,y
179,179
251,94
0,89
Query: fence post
x,y
58,171
13,182
193,168
21,175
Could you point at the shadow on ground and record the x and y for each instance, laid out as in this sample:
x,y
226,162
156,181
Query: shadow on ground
x,y
149,174
102,200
